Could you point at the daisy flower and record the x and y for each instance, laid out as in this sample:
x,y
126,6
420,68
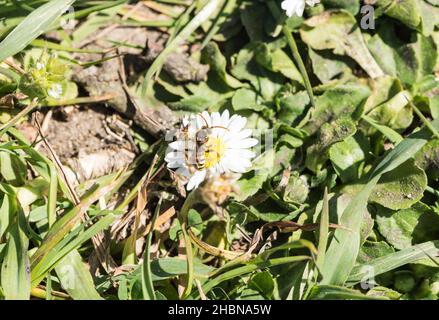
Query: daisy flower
x,y
209,145
297,6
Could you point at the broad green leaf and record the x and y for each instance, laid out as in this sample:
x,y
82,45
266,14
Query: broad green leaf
x,y
329,134
166,268
388,132
428,159
340,101
343,251
407,11
8,207
327,66
383,54
296,189
12,168
292,106
401,187
246,67
194,104
35,24
263,282
353,6
348,155
214,58
407,227
337,30
395,113
254,18
372,250
75,277
416,59
252,181
278,61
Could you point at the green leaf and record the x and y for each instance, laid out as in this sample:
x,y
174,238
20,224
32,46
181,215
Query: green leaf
x,y
193,104
292,106
372,250
394,260
343,251
147,282
407,11
75,277
244,99
327,66
212,56
166,268
389,133
401,187
416,60
246,67
348,155
278,61
263,283
338,30
12,168
15,278
252,181
35,24
428,159
337,102
407,227
329,292
329,134
353,6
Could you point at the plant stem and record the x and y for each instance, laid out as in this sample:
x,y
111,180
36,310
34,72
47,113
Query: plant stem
x,y
191,199
295,51
424,119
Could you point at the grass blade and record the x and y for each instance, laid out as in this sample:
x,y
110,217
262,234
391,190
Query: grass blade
x,y
15,268
344,248
394,260
32,27
324,230
202,16
147,285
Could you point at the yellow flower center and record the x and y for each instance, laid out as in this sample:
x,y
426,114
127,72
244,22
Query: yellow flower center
x,y
214,151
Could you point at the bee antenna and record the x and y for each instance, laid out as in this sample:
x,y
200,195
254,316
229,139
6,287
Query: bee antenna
x,y
204,119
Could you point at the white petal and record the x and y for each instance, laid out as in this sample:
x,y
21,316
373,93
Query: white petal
x,y
241,153
216,119
238,135
240,144
225,117
300,8
175,164
196,179
174,156
230,164
237,124
204,119
179,145
312,3
288,6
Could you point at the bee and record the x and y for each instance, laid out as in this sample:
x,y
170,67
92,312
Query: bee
x,y
202,146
